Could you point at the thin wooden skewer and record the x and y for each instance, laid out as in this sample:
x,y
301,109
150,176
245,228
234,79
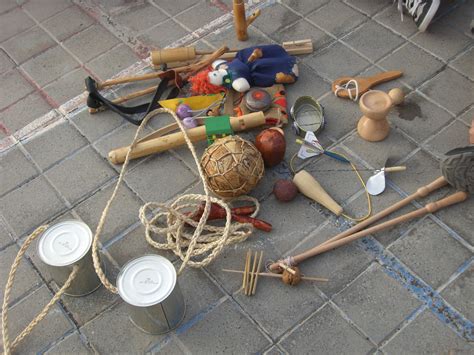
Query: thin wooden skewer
x,y
244,279
278,276
257,273
252,274
124,98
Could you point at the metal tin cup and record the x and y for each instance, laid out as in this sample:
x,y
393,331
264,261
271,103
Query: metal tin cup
x,y
64,245
148,285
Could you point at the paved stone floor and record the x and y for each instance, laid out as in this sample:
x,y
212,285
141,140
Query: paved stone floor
x,y
407,290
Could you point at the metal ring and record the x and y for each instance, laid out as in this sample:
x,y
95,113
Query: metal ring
x,y
307,115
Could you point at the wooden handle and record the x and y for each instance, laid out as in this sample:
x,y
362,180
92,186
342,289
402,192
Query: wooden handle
x,y
239,20
452,199
383,77
393,169
174,140
309,187
179,54
433,186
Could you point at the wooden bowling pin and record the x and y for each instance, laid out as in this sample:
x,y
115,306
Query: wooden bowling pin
x,y
375,105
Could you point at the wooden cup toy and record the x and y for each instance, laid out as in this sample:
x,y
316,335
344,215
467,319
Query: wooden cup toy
x,y
375,105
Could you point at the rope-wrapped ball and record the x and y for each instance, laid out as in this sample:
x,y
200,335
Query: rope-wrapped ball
x,y
232,166
292,279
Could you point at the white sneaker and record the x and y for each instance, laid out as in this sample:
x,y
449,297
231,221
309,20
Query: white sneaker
x,y
422,11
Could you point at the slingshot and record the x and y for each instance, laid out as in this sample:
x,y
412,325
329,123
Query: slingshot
x,y
457,171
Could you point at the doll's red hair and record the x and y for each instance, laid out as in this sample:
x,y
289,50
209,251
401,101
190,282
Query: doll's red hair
x,y
200,84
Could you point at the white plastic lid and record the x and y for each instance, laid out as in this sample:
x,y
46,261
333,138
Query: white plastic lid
x,y
65,243
146,281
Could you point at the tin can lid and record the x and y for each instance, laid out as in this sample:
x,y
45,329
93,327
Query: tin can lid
x,y
146,281
65,243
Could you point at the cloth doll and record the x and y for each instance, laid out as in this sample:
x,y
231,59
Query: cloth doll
x,y
261,66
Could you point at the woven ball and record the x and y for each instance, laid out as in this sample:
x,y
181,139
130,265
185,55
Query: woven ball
x,y
232,166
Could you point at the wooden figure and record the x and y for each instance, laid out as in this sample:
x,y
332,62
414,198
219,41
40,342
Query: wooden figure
x,y
240,22
375,105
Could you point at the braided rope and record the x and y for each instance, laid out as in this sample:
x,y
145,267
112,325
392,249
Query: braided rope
x,y
7,346
196,249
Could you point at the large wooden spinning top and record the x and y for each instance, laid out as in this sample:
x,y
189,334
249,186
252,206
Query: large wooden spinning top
x,y
373,126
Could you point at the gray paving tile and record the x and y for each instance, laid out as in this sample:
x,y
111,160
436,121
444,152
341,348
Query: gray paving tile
x,y
52,327
418,117
288,306
436,338
24,213
123,212
390,17
25,111
6,63
442,40
370,7
274,350
395,147
221,323
102,333
15,169
341,116
460,90
14,22
28,44
226,36
459,218
50,65
103,41
379,203
154,37
373,40
330,331
7,5
5,238
140,17
275,18
468,116
113,62
93,126
460,291
68,22
340,266
14,87
67,87
169,172
41,9
304,7
80,174
417,65
302,29
54,144
376,303
172,347
133,245
203,13
460,18
465,63
71,344
337,18
28,280
175,7
430,252
85,308
455,135
308,84
335,61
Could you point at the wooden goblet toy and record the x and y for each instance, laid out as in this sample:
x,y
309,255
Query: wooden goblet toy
x,y
375,105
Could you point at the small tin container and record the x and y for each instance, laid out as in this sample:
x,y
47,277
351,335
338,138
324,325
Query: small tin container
x,y
148,285
65,245
258,100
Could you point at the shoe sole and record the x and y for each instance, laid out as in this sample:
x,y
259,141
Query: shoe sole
x,y
429,16
458,168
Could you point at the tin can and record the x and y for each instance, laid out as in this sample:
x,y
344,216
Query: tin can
x,y
64,245
148,285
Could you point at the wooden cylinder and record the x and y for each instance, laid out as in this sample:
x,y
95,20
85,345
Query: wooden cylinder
x,y
174,140
240,22
169,55
309,187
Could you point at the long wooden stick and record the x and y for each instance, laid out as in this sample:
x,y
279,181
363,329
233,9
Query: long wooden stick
x,y
278,276
421,192
257,273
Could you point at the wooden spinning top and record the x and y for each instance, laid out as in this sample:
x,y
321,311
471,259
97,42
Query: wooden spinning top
x,y
373,126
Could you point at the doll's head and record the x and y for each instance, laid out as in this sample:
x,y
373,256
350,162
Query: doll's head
x,y
216,77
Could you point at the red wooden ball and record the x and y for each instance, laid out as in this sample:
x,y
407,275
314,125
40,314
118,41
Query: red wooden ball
x,y
271,144
285,190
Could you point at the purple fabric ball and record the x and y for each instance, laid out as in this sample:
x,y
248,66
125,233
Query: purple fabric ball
x,y
189,122
183,111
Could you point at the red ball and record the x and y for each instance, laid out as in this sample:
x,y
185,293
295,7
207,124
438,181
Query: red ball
x,y
271,144
285,190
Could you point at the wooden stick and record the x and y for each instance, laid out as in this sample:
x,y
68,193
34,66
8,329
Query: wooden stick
x,y
124,98
252,275
257,273
247,270
278,276
421,192
432,207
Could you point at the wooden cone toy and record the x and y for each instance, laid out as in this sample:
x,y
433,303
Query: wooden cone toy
x,y
309,187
